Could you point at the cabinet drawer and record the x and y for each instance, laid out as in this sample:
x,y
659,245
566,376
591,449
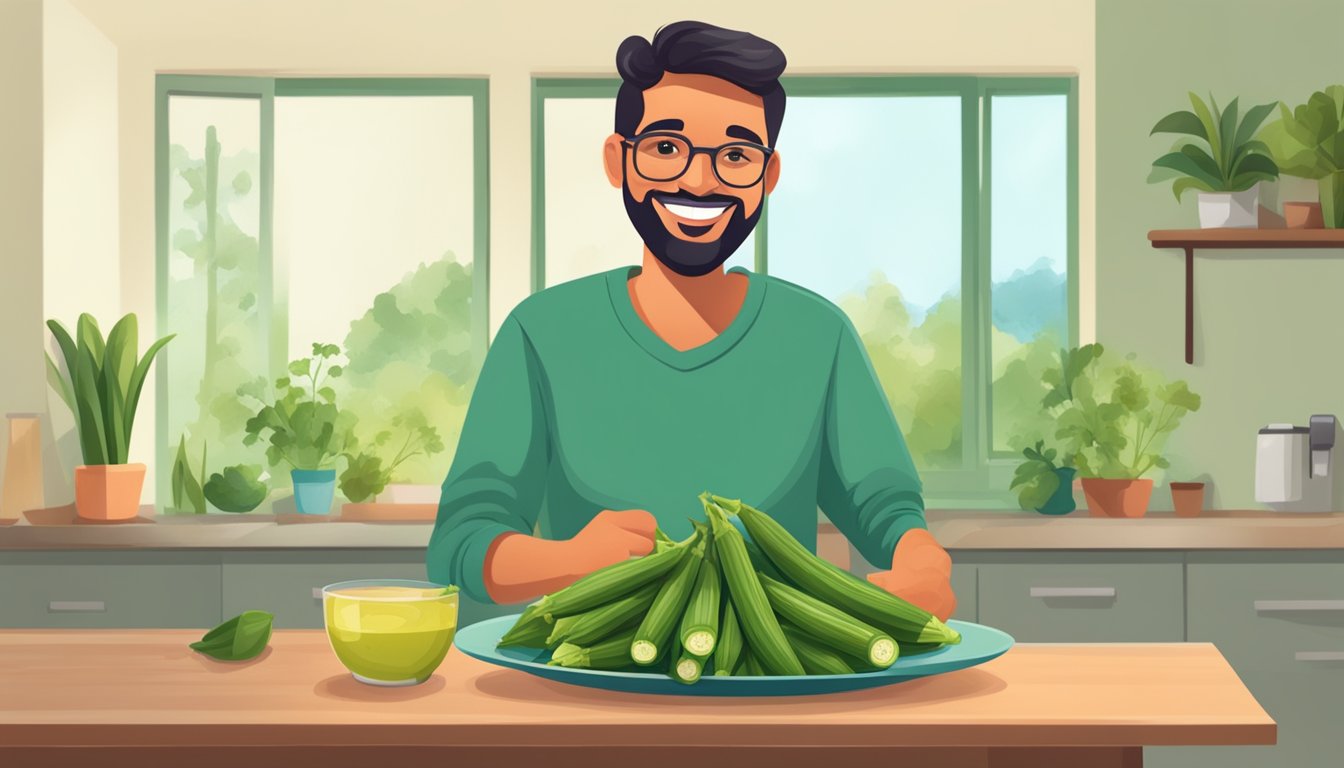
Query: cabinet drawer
x,y
289,585
163,592
1084,602
1281,627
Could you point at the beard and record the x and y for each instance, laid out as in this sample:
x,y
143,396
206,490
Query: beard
x,y
687,258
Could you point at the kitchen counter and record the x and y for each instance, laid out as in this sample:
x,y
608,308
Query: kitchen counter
x,y
956,530
89,697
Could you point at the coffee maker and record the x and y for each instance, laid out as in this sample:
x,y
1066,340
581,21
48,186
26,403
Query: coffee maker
x,y
1292,465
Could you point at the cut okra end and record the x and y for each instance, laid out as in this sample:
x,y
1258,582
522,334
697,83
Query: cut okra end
x,y
700,643
688,670
883,653
643,652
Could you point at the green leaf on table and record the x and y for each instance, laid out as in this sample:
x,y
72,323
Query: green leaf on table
x,y
240,638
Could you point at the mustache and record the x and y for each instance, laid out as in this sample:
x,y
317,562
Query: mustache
x,y
664,197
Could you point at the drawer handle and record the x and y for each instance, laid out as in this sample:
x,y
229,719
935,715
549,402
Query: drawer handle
x,y
76,606
1319,656
1299,605
1073,591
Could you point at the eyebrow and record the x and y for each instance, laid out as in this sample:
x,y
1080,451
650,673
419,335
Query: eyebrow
x,y
738,132
670,124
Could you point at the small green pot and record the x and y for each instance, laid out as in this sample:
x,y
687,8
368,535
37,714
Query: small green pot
x,y
1332,200
1061,501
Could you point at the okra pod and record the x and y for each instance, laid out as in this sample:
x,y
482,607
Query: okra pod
x,y
700,623
817,659
729,648
655,633
829,625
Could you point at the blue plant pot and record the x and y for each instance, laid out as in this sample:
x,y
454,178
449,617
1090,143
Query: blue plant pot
x,y
313,490
1061,501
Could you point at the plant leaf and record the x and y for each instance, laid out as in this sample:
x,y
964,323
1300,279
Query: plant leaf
x,y
236,489
1207,119
61,383
1255,116
92,437
138,380
1183,122
1180,161
301,367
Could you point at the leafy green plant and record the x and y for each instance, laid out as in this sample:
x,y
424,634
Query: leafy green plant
x,y
366,475
187,493
1308,142
299,418
237,489
1222,155
1037,478
1109,417
101,383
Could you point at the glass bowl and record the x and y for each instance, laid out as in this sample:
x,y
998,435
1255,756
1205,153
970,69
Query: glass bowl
x,y
390,631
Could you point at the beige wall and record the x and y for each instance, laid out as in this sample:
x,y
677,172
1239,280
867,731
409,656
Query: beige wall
x,y
512,42
80,213
22,376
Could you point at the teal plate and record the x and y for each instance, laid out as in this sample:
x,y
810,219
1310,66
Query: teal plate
x,y
978,645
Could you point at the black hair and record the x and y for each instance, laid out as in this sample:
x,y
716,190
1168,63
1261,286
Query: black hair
x,y
696,48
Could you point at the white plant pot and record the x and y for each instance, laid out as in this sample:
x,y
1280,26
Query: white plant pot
x,y
408,493
1230,209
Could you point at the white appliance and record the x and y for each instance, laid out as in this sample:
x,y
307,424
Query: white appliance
x,y
1288,458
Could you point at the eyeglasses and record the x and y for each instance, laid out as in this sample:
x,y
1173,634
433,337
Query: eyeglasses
x,y
664,156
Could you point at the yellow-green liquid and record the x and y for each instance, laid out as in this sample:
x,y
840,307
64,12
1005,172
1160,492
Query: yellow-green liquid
x,y
391,640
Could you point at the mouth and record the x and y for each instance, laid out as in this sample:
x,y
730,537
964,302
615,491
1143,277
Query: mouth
x,y
693,215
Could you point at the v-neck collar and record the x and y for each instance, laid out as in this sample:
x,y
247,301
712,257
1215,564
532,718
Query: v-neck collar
x,y
643,335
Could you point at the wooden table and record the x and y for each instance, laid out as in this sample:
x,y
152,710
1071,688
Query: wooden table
x,y
141,697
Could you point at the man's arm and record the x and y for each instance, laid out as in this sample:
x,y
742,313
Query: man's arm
x,y
869,486
482,538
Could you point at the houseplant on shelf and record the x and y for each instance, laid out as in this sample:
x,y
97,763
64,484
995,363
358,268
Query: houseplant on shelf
x,y
101,385
1114,422
1222,159
238,488
1042,484
304,427
368,474
1308,142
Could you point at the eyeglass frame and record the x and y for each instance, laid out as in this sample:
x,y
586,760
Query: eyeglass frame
x,y
713,152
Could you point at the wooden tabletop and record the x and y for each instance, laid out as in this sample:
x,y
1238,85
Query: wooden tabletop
x,y
145,688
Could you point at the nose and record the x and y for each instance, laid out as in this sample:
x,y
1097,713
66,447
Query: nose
x,y
699,177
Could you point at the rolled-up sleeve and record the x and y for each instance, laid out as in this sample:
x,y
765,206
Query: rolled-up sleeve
x,y
498,475
868,484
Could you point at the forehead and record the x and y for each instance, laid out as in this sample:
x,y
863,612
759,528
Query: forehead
x,y
706,104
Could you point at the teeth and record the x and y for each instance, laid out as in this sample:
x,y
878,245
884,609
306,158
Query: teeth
x,y
695,212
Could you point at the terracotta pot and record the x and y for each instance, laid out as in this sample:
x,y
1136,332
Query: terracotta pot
x,y
1303,216
1188,498
1117,498
109,491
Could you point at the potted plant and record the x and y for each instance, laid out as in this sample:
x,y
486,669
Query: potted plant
x,y
1042,484
1223,159
238,488
1114,423
368,475
1308,143
101,385
304,427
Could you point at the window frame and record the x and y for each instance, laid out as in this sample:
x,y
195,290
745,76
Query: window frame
x,y
274,301
985,473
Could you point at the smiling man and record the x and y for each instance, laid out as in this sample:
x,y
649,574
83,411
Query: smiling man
x,y
607,404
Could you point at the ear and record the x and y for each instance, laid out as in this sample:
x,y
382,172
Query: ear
x,y
771,173
613,159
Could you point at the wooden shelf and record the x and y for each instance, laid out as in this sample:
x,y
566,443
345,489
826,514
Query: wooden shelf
x,y
1190,239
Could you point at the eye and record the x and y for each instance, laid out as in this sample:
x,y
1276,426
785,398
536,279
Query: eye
x,y
735,156
666,148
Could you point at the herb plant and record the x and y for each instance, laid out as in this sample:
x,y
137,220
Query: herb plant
x,y
300,418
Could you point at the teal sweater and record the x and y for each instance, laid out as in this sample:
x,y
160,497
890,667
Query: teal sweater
x,y
581,407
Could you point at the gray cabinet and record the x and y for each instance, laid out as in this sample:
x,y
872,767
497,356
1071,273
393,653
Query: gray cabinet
x,y
108,590
964,587
1093,599
1281,626
288,584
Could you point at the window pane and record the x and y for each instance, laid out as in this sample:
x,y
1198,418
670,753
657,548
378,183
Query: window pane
x,y
586,227
1029,257
213,277
867,213
374,212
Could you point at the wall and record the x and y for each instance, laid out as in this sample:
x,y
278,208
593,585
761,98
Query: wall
x,y
22,376
80,200
1267,340
426,37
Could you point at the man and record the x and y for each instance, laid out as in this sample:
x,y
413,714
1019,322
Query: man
x,y
607,404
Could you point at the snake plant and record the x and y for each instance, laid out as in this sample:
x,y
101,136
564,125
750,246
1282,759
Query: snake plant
x,y
101,383
1225,155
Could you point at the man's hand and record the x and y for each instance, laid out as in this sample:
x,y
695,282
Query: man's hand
x,y
921,573
519,567
611,537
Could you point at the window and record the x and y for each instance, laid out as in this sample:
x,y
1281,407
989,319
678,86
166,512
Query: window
x,y
900,197
297,211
